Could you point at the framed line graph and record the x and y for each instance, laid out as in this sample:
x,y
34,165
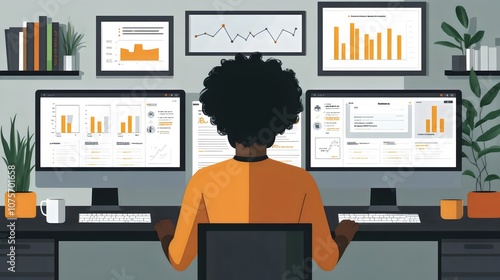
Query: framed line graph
x,y
371,38
231,32
134,45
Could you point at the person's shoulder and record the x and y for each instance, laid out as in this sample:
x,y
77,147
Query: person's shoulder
x,y
223,165
292,170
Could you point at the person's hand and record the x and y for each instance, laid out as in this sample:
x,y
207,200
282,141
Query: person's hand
x,y
347,228
164,228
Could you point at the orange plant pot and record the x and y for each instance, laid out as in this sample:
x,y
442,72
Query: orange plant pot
x,y
483,205
20,205
452,209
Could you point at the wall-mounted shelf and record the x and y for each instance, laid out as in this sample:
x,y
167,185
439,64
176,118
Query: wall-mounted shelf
x,y
39,73
466,73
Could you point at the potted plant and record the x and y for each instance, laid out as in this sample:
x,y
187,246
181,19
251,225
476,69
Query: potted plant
x,y
18,151
464,42
72,41
478,130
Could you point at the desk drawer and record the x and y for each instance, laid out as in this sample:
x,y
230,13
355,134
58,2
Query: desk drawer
x,y
470,247
468,264
28,247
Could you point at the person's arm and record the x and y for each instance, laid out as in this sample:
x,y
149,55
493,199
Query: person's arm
x,y
344,232
181,247
326,250
165,230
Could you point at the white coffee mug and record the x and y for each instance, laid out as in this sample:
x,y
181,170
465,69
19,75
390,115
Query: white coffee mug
x,y
56,212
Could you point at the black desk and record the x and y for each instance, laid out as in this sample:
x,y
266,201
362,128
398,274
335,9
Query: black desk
x,y
431,228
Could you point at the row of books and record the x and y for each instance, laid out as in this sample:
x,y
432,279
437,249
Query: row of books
x,y
34,47
483,59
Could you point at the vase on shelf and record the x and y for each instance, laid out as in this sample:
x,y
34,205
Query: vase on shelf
x,y
69,63
458,63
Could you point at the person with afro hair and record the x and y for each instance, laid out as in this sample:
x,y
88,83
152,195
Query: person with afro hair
x,y
251,101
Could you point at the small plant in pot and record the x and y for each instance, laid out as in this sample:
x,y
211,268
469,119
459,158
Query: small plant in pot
x,y
72,42
462,42
18,151
478,131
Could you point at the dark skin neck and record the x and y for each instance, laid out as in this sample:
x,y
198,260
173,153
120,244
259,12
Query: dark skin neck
x,y
255,150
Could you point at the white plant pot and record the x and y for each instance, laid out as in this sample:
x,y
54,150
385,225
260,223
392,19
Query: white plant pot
x,y
69,63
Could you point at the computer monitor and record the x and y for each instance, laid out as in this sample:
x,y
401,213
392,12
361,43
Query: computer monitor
x,y
254,251
109,139
384,139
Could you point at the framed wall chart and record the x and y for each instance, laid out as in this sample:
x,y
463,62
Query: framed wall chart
x,y
371,38
134,45
231,32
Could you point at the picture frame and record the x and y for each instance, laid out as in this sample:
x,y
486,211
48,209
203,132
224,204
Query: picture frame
x,y
230,32
371,38
134,45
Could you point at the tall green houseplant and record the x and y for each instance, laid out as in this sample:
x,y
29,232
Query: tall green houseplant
x,y
475,136
72,40
18,152
465,41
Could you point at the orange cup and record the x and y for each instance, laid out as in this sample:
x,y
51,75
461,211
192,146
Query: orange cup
x,y
452,209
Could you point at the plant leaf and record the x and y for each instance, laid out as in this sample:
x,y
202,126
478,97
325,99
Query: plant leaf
x,y
462,16
448,44
474,83
476,147
466,142
470,116
467,40
469,173
490,95
477,37
465,129
450,31
491,177
469,106
490,116
490,134
492,149
464,155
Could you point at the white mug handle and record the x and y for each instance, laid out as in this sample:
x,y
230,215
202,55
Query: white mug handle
x,y
41,209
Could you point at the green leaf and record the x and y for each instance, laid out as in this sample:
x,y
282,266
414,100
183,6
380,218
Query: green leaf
x,y
448,44
474,83
490,95
467,40
469,106
465,129
466,142
450,31
492,149
490,116
464,155
470,116
462,16
476,147
477,37
490,134
469,173
491,177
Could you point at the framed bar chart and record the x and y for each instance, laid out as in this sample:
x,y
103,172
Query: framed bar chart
x,y
67,118
371,38
134,45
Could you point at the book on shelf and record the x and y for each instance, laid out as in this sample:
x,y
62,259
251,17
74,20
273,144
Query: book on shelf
x,y
34,47
477,59
43,43
483,65
492,59
469,59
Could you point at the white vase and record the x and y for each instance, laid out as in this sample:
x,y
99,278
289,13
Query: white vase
x,y
69,63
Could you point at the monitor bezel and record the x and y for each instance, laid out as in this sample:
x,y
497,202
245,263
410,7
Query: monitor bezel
x,y
394,93
123,92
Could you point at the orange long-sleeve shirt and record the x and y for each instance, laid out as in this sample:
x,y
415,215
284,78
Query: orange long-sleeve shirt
x,y
265,191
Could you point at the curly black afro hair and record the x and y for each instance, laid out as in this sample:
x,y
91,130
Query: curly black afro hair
x,y
251,100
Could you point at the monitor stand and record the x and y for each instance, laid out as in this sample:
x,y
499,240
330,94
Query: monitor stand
x,y
105,200
383,200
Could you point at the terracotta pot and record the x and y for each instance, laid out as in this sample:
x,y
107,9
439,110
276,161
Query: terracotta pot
x,y
483,204
20,205
452,209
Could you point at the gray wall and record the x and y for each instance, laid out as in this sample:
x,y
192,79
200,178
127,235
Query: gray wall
x,y
364,260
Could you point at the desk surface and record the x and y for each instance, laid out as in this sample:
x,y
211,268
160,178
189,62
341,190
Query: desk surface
x,y
431,228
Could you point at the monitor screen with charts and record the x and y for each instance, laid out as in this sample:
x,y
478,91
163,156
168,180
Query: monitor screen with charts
x,y
384,131
110,138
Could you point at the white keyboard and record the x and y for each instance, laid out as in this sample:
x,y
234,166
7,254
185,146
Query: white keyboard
x,y
381,218
120,218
